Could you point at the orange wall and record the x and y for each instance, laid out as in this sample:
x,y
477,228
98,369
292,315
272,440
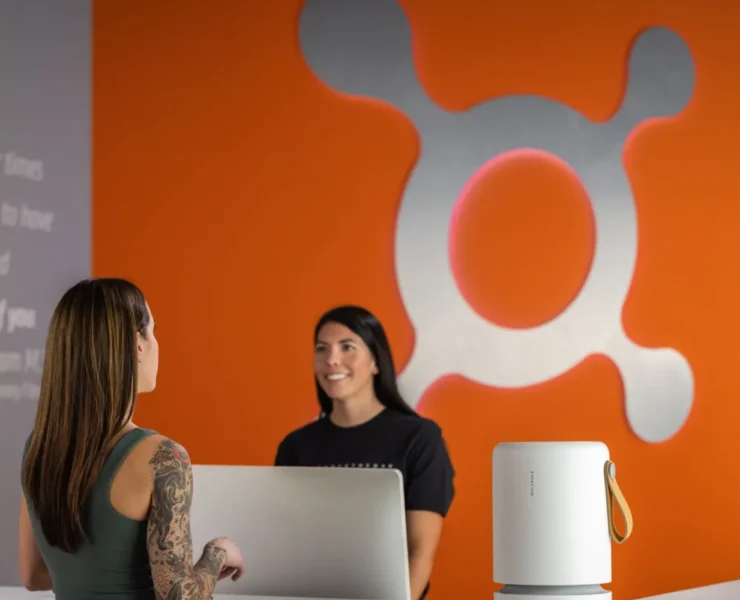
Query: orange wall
x,y
225,183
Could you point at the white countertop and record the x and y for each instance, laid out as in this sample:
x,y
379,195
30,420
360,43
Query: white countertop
x,y
18,593
721,591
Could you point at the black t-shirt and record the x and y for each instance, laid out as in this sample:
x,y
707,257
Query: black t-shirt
x,y
391,440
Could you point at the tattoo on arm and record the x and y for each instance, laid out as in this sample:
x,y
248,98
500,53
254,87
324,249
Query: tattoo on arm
x,y
169,541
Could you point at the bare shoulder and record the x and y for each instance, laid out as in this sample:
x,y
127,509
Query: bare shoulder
x,y
142,471
165,454
163,448
155,454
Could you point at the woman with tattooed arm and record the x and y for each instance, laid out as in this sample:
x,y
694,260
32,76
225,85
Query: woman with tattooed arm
x,y
105,510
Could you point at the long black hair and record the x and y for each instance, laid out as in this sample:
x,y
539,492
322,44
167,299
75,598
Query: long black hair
x,y
367,326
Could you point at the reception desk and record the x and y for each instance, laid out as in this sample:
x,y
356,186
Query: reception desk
x,y
334,534
721,591
729,590
18,593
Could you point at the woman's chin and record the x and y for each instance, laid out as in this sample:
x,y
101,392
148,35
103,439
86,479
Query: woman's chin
x,y
146,389
336,391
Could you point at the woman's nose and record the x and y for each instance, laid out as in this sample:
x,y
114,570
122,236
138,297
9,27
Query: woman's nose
x,y
333,357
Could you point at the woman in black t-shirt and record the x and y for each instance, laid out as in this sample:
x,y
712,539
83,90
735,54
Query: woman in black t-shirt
x,y
364,422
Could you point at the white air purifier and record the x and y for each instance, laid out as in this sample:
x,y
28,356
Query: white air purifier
x,y
553,523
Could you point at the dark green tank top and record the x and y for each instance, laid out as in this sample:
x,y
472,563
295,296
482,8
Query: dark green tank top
x,y
114,565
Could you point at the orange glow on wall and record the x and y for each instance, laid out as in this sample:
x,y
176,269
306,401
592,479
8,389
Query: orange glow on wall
x,y
246,198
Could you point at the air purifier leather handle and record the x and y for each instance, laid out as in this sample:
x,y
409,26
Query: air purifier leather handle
x,y
614,494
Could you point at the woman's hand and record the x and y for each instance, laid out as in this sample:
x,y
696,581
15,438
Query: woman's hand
x,y
227,572
234,565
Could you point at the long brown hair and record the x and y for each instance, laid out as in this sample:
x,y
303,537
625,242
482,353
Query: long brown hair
x,y
88,393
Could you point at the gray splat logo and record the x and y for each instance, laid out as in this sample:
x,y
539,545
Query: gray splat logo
x,y
363,48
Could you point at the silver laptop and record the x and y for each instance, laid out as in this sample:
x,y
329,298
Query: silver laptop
x,y
323,533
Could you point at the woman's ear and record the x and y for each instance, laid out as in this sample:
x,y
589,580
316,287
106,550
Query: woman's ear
x,y
139,347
